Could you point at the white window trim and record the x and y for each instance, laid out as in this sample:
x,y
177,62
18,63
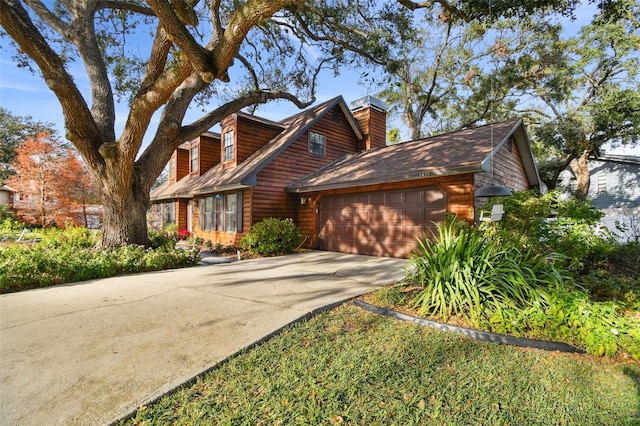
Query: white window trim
x,y
229,135
218,215
195,160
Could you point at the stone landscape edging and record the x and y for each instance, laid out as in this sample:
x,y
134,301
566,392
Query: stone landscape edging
x,y
485,336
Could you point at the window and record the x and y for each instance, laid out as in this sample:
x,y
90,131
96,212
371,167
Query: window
x,y
194,159
168,213
231,212
221,213
209,218
228,146
316,143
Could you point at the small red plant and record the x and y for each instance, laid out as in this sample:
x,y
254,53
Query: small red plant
x,y
183,234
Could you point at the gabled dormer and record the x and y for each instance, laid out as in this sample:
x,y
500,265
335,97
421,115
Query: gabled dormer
x,y
204,153
179,163
242,135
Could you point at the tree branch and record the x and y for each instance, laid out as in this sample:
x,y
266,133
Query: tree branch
x,y
168,139
244,18
257,97
80,125
215,19
177,32
121,5
307,31
413,6
48,17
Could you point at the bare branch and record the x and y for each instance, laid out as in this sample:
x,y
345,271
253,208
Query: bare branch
x,y
121,5
249,67
48,17
412,5
307,31
438,62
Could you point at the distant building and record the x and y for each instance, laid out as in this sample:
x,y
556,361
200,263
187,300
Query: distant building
x,y
6,196
614,189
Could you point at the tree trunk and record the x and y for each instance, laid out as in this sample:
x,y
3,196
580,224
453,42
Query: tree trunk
x,y
125,215
581,170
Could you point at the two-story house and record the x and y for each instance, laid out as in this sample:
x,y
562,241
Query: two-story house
x,y
329,169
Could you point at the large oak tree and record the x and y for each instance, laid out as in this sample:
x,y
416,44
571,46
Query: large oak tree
x,y
587,96
278,45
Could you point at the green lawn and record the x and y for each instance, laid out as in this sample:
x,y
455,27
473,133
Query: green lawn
x,y
354,367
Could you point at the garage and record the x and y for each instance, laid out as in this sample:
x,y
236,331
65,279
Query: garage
x,y
382,223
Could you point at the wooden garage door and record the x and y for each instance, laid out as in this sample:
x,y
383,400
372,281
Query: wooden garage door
x,y
384,223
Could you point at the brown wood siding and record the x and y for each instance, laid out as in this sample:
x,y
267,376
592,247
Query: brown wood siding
x,y
220,237
251,135
373,124
181,214
209,154
270,199
507,170
182,163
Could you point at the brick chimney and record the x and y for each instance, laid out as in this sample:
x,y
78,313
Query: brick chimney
x,y
371,114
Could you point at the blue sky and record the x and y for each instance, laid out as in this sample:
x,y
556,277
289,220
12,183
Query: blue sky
x,y
26,94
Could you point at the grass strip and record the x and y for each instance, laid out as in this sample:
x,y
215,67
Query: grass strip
x,y
354,367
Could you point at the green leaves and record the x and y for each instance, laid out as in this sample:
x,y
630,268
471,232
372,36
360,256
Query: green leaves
x,y
464,273
69,256
273,236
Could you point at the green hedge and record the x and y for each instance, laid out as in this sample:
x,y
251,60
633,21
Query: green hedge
x,y
70,256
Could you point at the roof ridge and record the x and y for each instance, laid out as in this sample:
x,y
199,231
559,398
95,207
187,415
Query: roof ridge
x,y
466,129
259,118
321,105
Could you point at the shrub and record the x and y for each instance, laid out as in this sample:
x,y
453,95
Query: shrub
x,y
70,255
160,239
569,316
272,236
464,273
73,236
548,223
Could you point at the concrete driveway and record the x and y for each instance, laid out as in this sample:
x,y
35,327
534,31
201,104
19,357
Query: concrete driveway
x,y
92,352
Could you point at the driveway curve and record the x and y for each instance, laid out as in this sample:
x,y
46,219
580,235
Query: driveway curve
x,y
92,352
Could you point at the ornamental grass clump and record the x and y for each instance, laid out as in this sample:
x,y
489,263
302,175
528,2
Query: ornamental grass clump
x,y
463,273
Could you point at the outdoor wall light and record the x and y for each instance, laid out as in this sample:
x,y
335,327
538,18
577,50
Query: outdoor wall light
x,y
492,191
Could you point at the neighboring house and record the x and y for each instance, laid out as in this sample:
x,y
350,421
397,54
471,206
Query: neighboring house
x,y
6,196
329,169
614,188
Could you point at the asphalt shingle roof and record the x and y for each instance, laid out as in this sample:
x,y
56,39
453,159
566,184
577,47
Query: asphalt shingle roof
x,y
219,179
458,152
